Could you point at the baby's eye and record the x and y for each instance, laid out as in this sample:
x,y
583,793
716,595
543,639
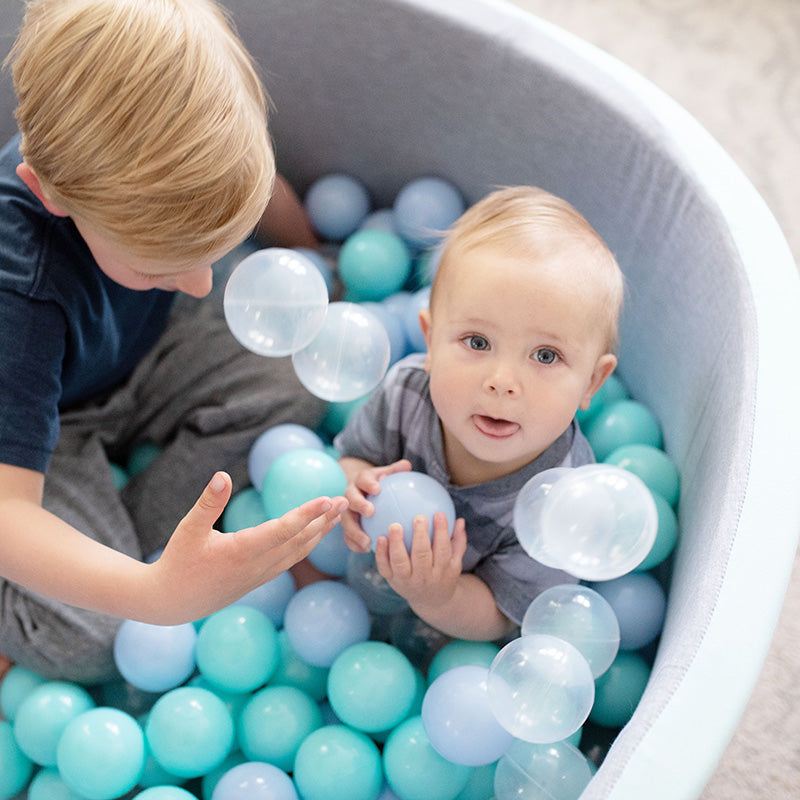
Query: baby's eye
x,y
546,356
476,342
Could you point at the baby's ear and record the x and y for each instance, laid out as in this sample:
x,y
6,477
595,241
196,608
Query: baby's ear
x,y
425,326
605,365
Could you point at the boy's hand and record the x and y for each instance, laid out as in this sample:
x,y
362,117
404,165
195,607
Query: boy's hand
x,y
364,482
427,576
202,570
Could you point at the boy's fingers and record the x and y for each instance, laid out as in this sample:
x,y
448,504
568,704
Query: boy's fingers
x,y
316,515
209,505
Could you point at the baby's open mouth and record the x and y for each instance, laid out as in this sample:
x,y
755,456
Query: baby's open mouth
x,y
496,428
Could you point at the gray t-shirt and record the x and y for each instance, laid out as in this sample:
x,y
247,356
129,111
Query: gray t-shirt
x,y
399,421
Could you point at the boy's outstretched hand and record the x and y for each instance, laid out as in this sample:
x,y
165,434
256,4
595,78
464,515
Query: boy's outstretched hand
x,y
202,570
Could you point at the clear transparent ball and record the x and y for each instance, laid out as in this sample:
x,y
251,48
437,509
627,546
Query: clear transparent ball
x,y
275,301
596,522
580,616
347,358
540,688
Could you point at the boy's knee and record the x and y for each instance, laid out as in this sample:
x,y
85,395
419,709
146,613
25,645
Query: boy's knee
x,y
59,643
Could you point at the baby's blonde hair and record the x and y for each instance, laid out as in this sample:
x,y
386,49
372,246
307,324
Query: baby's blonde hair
x,y
528,222
147,120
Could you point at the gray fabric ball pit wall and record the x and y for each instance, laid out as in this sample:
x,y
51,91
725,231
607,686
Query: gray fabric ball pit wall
x,y
484,94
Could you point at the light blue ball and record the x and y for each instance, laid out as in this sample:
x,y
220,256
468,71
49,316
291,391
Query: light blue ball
x,y
237,649
44,714
639,603
338,763
652,465
272,597
371,686
323,619
418,301
425,208
459,721
299,476
101,753
622,423
348,357
395,329
15,766
337,204
580,615
331,553
380,220
414,769
155,658
275,442
557,771
540,688
320,262
255,780
275,301
189,731
373,264
403,496
274,723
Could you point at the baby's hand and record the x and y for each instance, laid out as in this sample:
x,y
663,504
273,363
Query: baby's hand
x,y
427,575
364,481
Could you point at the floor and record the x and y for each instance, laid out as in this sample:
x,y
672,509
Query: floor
x,y
735,65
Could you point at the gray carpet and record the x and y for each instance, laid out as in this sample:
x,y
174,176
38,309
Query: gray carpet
x,y
735,65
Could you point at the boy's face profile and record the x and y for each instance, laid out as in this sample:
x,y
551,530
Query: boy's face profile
x,y
123,267
514,349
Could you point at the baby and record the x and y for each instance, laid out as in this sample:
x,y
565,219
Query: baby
x,y
521,331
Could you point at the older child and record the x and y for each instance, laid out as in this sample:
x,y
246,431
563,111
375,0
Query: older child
x,y
143,157
520,333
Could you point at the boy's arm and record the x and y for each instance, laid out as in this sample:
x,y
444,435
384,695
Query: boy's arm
x,y
200,570
285,222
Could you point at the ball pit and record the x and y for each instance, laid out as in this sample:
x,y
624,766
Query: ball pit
x,y
721,241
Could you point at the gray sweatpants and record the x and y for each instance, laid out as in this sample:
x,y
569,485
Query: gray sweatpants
x,y
203,399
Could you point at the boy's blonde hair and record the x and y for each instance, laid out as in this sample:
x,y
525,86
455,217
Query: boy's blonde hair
x,y
147,120
528,222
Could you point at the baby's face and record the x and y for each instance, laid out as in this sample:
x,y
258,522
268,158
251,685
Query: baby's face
x,y
514,349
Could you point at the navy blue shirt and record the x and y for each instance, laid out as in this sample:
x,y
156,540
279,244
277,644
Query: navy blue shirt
x,y
68,333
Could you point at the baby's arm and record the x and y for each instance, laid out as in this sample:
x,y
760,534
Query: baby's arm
x,y
200,570
430,579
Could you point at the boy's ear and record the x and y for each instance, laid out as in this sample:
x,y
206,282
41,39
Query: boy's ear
x,y
31,180
606,364
425,325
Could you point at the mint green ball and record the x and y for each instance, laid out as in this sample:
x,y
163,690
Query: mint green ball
x,y
371,686
373,264
623,422
462,653
237,649
652,465
415,771
338,763
619,689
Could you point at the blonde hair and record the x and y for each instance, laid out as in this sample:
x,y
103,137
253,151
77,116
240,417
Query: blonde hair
x,y
146,119
528,222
